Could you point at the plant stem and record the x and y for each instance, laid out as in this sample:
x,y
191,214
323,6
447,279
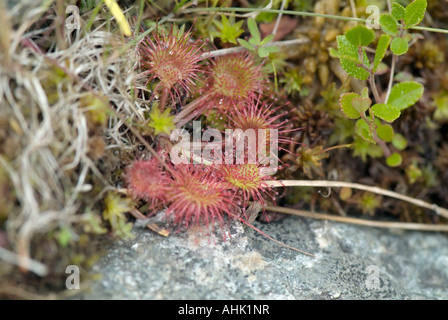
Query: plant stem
x,y
154,227
341,184
163,99
279,17
391,78
146,144
286,12
222,52
182,117
293,13
368,223
333,148
374,89
353,5
380,142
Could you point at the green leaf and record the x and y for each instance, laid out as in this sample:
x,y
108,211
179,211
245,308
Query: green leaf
x,y
271,49
385,132
345,103
266,40
254,42
363,130
253,29
246,45
365,92
385,111
399,141
338,55
399,46
405,94
398,11
360,36
229,31
361,105
352,68
346,48
263,52
64,236
383,44
388,24
414,13
362,148
394,160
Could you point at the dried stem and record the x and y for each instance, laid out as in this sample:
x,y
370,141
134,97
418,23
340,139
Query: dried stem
x,y
279,18
368,223
222,52
391,78
341,184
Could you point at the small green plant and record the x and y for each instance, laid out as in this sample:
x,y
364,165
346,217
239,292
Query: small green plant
x,y
255,43
228,29
115,208
374,119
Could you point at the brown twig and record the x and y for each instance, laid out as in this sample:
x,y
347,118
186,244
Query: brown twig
x,y
154,227
340,184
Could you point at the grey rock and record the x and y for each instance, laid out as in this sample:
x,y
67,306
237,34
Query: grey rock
x,y
351,262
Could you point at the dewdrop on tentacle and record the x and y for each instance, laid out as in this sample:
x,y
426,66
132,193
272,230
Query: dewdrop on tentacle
x,y
199,197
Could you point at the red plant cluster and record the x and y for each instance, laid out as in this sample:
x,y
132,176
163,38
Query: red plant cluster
x,y
233,85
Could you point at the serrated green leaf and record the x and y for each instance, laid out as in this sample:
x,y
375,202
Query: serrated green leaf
x,y
381,49
246,44
405,94
394,160
399,142
363,130
385,111
338,55
345,103
399,46
398,11
360,36
388,24
253,29
262,52
361,105
414,13
385,132
365,92
346,48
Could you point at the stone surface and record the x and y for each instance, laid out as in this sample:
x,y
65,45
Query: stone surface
x,y
351,262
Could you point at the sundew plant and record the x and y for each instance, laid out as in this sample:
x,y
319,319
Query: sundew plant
x,y
196,115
